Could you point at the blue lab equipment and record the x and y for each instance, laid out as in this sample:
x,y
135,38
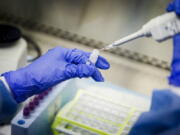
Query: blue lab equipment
x,y
57,65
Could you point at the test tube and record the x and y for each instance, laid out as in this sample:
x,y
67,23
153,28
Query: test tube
x,y
26,111
93,57
31,105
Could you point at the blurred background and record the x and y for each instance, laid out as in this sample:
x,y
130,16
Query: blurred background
x,y
141,65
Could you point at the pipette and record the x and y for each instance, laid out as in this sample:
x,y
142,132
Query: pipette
x,y
159,28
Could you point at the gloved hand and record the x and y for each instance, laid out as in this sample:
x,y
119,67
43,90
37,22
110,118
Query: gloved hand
x,y
174,78
174,6
57,65
163,117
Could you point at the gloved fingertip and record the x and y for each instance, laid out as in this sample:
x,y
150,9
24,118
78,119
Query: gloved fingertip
x,y
99,79
97,76
170,7
102,79
102,63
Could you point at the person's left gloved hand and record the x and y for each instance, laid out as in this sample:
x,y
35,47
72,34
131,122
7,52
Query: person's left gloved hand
x,y
57,65
163,117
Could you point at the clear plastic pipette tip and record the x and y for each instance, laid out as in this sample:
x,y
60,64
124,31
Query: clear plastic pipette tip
x,y
107,47
124,40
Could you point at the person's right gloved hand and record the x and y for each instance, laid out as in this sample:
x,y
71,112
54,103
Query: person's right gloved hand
x,y
174,6
57,65
164,114
174,78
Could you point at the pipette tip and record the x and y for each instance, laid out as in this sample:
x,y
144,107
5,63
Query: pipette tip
x,y
106,48
102,49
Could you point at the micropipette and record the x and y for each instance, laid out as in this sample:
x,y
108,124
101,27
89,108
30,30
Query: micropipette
x,y
159,28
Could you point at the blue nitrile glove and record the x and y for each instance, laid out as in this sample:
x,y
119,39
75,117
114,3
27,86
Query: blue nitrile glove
x,y
57,65
174,78
163,117
174,6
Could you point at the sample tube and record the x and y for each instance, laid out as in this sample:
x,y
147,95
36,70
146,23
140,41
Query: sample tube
x,y
93,57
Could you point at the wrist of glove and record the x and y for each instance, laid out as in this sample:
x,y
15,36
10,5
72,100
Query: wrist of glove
x,y
174,78
57,65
